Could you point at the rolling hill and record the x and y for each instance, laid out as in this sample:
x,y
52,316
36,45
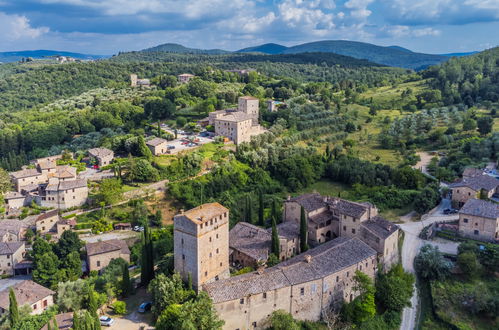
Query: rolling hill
x,y
176,48
272,49
7,57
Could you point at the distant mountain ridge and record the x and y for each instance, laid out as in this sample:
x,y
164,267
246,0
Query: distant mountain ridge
x,y
42,53
176,48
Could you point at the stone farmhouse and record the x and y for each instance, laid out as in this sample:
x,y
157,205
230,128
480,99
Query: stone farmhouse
x,y
471,172
479,219
51,223
12,230
100,254
184,78
102,156
303,286
201,241
473,187
27,292
136,82
11,254
158,146
48,185
240,124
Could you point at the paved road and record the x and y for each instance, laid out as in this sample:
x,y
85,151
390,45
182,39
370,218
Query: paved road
x,y
410,248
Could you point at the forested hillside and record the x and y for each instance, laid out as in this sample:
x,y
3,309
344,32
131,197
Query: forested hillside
x,y
469,79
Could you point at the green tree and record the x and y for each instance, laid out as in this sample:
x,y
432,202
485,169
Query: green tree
x,y
126,285
92,302
275,247
110,191
13,309
68,243
72,266
46,270
167,291
362,308
280,320
431,264
5,181
71,296
469,124
394,289
303,231
261,209
485,124
469,265
147,260
143,150
157,219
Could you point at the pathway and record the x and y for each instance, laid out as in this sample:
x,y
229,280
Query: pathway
x,y
410,248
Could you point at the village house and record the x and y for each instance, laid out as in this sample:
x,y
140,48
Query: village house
x,y
102,156
201,241
158,146
301,286
471,172
136,82
11,254
100,254
251,245
12,230
382,235
27,292
273,106
479,219
14,200
63,194
64,321
480,186
185,77
240,124
47,222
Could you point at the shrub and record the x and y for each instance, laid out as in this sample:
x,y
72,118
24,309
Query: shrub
x,y
119,307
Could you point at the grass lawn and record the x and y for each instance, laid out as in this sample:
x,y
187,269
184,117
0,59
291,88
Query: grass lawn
x,y
327,187
394,214
389,93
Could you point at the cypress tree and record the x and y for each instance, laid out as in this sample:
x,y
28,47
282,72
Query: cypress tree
x,y
76,321
303,231
13,309
261,209
189,281
92,303
249,210
275,248
49,326
126,284
56,326
147,266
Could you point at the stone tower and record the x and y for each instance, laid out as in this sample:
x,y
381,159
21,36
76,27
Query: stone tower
x,y
251,106
201,244
133,80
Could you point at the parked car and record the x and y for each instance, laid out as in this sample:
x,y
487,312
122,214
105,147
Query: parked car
x,y
450,211
106,321
171,147
145,307
136,228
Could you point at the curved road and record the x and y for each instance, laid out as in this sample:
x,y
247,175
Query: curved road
x,y
410,248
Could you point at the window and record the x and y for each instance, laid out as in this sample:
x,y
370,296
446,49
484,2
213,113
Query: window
x,y
476,232
344,228
182,241
465,220
45,303
337,279
210,254
348,274
328,222
201,226
210,239
241,301
205,273
8,264
265,295
98,263
353,219
254,324
360,268
302,291
183,256
353,231
217,251
34,307
221,264
217,235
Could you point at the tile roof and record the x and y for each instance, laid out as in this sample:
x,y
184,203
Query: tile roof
x,y
13,195
380,227
65,172
156,142
25,173
310,202
186,75
107,246
100,152
26,292
480,208
251,240
235,116
204,212
66,185
13,226
471,172
46,164
10,247
47,215
321,217
288,230
349,208
477,183
324,260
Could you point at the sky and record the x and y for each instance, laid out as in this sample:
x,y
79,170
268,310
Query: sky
x,y
110,26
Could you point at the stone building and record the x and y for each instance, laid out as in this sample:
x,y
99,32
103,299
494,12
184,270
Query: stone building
x,y
382,236
473,187
12,230
63,194
136,82
11,254
158,146
471,172
479,219
251,245
303,286
201,244
102,156
184,78
100,254
251,106
27,292
47,222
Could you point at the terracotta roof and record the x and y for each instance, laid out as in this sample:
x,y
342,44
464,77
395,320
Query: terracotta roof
x,y
251,240
380,227
26,292
25,173
47,215
107,246
100,152
64,321
156,142
477,183
10,247
204,212
46,164
71,222
321,217
480,208
324,260
65,172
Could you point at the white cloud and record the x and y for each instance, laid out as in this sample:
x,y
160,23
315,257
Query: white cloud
x,y
15,27
401,31
308,16
358,8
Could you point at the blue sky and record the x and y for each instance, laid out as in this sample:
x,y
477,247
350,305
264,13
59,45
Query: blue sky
x,y
110,26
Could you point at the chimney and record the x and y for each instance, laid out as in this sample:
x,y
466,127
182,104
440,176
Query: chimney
x,y
181,211
308,258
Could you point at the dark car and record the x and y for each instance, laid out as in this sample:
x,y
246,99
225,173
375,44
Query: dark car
x,y
145,307
450,211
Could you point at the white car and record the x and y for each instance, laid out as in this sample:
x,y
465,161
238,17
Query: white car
x,y
106,321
